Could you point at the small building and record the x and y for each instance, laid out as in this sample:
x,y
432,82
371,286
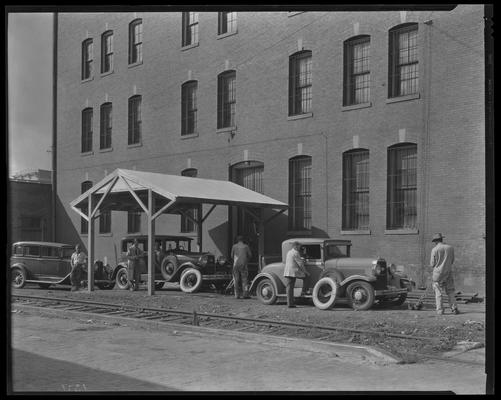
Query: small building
x,y
29,202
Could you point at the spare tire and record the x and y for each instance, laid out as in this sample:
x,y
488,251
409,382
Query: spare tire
x,y
324,293
168,267
191,280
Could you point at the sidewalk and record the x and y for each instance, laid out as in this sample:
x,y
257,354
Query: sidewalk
x,y
201,360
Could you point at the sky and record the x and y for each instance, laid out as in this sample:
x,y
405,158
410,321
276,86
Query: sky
x,y
29,85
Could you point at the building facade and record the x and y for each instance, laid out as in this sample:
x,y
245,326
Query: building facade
x,y
370,125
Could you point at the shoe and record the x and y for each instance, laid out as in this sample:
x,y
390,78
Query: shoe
x,y
132,287
440,312
455,311
246,297
291,306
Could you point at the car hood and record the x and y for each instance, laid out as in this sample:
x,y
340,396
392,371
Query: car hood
x,y
360,262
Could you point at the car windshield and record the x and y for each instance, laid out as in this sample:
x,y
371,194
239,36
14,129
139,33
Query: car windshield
x,y
67,252
335,251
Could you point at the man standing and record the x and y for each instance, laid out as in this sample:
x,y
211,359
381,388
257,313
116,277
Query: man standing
x,y
78,260
442,258
241,254
294,268
133,256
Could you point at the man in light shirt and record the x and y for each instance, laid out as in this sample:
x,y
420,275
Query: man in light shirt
x,y
294,268
442,258
78,260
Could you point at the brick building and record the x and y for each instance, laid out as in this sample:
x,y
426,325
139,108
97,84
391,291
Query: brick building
x,y
370,125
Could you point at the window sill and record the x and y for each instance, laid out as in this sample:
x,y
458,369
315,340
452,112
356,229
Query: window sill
x,y
299,116
226,129
356,106
293,13
135,64
403,231
103,74
189,136
398,99
189,46
87,153
87,80
133,145
106,150
105,234
224,35
357,232
299,233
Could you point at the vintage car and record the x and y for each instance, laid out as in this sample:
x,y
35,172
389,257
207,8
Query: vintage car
x,y
334,277
174,262
48,263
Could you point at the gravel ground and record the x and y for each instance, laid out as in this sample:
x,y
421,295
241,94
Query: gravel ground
x,y
448,328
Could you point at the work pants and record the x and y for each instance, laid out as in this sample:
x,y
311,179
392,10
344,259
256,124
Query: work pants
x,y
444,288
133,272
291,282
76,276
240,278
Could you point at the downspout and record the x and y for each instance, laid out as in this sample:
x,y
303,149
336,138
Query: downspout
x,y
326,184
54,127
425,151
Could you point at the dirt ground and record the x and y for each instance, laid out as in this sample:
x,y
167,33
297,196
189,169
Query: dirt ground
x,y
448,329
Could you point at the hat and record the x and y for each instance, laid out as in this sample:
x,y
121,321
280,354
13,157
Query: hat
x,y
437,236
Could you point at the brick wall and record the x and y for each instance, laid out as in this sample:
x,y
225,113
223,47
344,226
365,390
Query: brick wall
x,y
446,121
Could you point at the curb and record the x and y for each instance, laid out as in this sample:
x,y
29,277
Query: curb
x,y
349,352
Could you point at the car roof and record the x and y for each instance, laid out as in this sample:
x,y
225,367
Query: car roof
x,y
34,243
310,240
157,237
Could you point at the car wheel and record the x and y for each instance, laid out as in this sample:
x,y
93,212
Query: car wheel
x,y
159,285
122,279
191,280
265,292
18,278
168,267
106,286
44,285
324,293
360,295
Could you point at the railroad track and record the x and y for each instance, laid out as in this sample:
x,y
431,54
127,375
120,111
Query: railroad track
x,y
211,320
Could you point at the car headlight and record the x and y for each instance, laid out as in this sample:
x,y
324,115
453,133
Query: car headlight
x,y
393,269
378,268
203,260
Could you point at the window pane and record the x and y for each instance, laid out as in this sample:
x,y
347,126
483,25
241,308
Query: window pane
x,y
300,193
300,83
356,190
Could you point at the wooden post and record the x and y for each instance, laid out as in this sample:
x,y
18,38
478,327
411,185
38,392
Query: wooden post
x,y
260,244
199,228
151,241
90,248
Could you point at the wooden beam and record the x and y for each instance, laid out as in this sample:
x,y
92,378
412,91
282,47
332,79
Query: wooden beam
x,y
248,211
274,216
80,212
135,195
208,213
163,209
151,241
112,183
90,248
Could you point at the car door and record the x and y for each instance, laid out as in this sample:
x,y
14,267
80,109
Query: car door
x,y
64,261
312,255
32,260
49,262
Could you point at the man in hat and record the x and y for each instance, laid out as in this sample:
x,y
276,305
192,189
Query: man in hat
x,y
78,260
442,258
294,268
241,254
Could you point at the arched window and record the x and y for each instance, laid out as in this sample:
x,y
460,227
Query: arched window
x,y
187,225
87,122
84,226
106,126
87,58
107,52
300,94
402,186
300,193
189,108
403,73
136,41
134,129
226,99
357,77
356,189
190,28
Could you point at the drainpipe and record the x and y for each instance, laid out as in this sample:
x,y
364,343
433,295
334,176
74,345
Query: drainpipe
x,y
54,128
425,176
326,184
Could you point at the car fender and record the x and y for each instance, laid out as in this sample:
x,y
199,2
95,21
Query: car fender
x,y
182,268
275,281
23,268
116,269
352,278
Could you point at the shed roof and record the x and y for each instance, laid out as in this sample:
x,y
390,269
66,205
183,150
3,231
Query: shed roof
x,y
181,189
